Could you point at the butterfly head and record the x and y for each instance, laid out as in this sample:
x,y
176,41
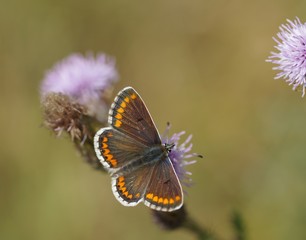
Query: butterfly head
x,y
169,147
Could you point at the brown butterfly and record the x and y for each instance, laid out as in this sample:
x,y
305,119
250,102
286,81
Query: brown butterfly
x,y
133,153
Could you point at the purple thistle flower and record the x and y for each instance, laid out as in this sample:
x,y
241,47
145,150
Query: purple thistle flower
x,y
180,154
291,58
85,79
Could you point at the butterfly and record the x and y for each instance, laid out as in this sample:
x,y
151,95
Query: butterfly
x,y
135,157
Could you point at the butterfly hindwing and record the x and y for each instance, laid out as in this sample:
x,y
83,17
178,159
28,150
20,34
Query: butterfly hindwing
x,y
164,191
129,188
129,115
156,184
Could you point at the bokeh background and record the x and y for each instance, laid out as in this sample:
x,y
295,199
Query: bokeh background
x,y
198,64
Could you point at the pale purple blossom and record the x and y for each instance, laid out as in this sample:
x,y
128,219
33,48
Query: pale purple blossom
x,y
85,79
291,55
180,155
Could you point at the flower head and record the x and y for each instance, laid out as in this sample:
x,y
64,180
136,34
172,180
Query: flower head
x,y
85,79
180,154
291,55
61,114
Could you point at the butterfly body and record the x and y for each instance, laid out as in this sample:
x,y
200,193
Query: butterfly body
x,y
137,160
148,157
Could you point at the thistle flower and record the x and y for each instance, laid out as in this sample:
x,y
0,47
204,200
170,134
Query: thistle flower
x,y
74,97
86,80
61,114
291,55
180,154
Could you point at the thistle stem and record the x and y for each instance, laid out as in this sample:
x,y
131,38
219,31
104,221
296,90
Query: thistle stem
x,y
202,234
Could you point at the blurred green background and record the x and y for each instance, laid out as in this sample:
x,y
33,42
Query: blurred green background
x,y
198,64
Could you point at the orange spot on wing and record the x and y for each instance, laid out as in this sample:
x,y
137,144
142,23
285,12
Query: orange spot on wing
x,y
130,196
165,201
133,96
125,193
104,139
177,198
104,145
155,199
118,116
120,110
106,151
171,201
149,195
123,189
123,105
127,99
121,184
113,162
137,195
108,156
121,179
118,123
160,200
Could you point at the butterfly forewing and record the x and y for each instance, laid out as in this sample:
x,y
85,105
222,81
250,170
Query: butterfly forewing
x,y
115,149
129,115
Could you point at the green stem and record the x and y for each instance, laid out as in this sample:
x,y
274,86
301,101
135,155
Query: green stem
x,y
238,225
201,233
